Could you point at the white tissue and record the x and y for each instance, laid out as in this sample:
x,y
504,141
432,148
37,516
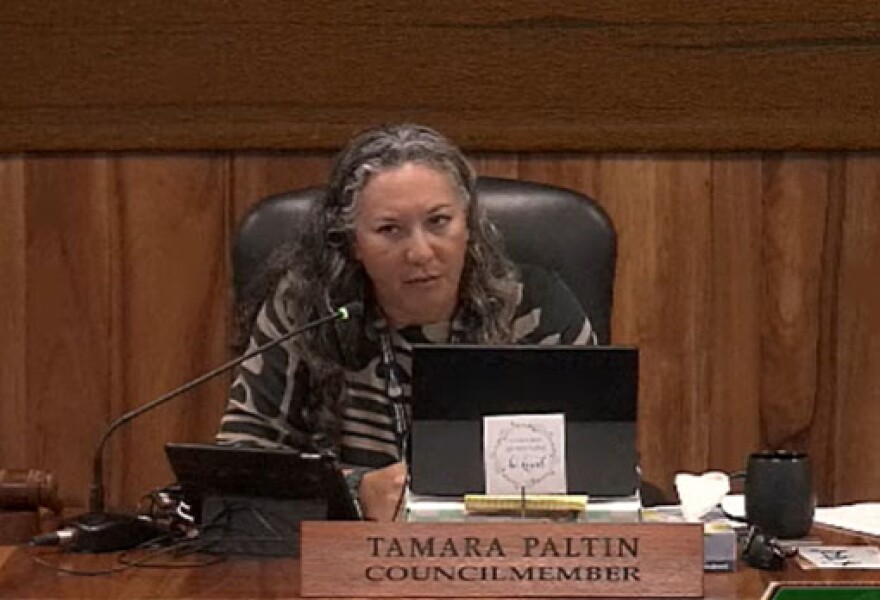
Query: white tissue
x,y
699,494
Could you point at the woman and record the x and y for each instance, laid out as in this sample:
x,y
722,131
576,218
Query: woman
x,y
399,229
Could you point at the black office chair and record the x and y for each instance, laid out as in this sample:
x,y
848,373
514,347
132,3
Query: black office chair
x,y
558,229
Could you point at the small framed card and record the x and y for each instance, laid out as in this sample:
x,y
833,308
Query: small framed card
x,y
524,453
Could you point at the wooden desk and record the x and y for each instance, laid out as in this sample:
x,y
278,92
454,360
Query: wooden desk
x,y
239,577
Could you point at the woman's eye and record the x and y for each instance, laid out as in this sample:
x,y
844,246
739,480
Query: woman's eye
x,y
439,220
388,229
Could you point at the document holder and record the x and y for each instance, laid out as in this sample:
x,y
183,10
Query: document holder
x,y
252,500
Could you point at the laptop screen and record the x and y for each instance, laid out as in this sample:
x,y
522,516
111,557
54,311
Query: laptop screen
x,y
205,470
454,386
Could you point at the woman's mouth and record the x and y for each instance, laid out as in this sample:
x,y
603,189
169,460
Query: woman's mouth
x,y
422,280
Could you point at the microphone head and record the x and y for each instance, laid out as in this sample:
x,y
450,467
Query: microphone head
x,y
349,311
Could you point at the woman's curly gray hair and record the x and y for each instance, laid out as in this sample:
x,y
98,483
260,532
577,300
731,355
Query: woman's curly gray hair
x,y
325,274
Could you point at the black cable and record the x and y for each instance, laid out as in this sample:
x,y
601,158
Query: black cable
x,y
182,548
186,546
182,541
40,560
160,546
36,558
402,496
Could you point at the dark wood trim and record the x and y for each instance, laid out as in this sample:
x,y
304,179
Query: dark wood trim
x,y
496,76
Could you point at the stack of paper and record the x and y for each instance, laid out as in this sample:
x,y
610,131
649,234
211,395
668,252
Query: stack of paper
x,y
863,518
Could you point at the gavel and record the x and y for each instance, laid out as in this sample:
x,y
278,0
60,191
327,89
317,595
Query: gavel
x,y
28,489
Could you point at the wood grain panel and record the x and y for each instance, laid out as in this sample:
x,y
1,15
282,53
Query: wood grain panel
x,y
256,176
493,165
71,359
14,425
737,296
663,240
174,304
575,171
534,76
857,402
821,436
795,205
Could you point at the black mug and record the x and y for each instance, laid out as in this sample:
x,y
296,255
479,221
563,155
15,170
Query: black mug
x,y
779,493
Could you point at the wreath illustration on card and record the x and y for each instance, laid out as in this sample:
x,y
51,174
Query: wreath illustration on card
x,y
525,454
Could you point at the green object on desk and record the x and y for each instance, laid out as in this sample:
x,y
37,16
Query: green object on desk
x,y
826,592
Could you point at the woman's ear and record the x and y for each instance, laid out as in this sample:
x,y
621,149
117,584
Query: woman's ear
x,y
338,240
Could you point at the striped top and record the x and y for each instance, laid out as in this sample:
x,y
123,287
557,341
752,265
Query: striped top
x,y
267,393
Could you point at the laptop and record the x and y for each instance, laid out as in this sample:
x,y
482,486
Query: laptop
x,y
455,385
251,500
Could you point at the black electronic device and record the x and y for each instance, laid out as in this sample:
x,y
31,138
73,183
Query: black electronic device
x,y
455,385
251,500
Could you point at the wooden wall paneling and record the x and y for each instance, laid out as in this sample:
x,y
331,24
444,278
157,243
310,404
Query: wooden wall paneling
x,y
857,398
496,165
256,176
71,358
746,281
579,172
662,209
174,303
795,199
14,422
821,442
735,342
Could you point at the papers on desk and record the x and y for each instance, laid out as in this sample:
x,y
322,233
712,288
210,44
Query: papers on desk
x,y
839,557
862,518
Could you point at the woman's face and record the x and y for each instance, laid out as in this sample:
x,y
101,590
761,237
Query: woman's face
x,y
410,234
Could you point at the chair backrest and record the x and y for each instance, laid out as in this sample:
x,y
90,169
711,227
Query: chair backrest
x,y
555,228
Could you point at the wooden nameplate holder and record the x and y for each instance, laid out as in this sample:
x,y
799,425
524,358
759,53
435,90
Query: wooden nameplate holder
x,y
504,559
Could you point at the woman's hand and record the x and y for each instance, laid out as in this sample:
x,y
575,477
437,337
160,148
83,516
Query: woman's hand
x,y
381,491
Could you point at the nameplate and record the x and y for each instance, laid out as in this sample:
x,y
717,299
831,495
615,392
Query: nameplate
x,y
509,559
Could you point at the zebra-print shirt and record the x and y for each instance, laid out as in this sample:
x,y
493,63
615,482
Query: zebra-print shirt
x,y
268,390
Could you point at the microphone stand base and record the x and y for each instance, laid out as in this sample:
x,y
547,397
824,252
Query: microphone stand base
x,y
93,532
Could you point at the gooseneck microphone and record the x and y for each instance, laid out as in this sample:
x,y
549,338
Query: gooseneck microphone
x,y
100,531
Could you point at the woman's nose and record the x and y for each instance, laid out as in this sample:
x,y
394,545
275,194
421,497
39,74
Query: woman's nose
x,y
419,248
